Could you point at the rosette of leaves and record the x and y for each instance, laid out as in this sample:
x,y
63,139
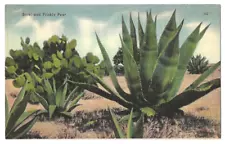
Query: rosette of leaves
x,y
154,87
18,121
57,101
197,64
134,129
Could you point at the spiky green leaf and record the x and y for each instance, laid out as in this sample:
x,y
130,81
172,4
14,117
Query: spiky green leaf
x,y
134,38
166,66
132,74
168,33
117,130
23,129
186,51
203,76
126,37
43,101
51,110
139,128
130,126
110,69
190,96
148,54
17,109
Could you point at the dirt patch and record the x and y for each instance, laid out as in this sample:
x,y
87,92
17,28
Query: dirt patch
x,y
98,124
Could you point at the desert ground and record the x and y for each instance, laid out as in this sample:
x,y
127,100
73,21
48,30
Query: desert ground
x,y
207,107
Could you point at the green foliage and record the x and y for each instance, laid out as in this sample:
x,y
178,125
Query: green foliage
x,y
197,65
154,83
134,130
118,61
119,69
57,59
58,100
17,121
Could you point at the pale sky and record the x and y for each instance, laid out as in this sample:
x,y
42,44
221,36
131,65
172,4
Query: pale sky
x,y
81,21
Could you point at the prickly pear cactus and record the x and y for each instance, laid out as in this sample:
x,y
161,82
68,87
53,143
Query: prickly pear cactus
x,y
197,64
58,58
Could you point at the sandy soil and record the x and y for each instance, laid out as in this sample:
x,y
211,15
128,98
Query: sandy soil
x,y
208,106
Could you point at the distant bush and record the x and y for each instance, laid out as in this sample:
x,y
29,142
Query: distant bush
x,y
197,64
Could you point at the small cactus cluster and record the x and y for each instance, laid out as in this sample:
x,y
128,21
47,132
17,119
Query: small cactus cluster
x,y
197,64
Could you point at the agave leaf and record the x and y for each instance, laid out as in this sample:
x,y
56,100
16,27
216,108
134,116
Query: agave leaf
x,y
25,116
132,74
167,65
140,32
148,54
51,110
42,100
100,92
203,32
126,37
155,21
58,96
139,128
103,84
69,97
117,130
49,90
17,109
53,85
66,114
6,109
61,95
190,96
74,103
134,38
168,33
73,107
110,69
130,125
186,51
23,129
203,76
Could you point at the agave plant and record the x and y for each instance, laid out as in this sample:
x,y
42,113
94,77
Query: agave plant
x,y
17,121
154,87
57,101
134,130
197,65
